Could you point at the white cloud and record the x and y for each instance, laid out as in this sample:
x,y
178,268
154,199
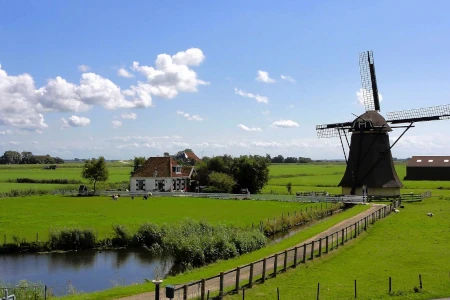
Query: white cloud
x,y
189,116
284,124
265,112
258,98
131,116
172,73
35,142
83,68
290,106
180,144
5,132
116,124
360,96
124,73
22,104
245,128
75,121
287,78
264,77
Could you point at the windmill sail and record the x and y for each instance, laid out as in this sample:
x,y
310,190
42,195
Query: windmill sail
x,y
369,86
433,113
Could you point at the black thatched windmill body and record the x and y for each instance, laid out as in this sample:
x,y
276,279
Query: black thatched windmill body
x,y
369,165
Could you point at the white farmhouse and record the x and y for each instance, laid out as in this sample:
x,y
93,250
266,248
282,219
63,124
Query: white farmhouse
x,y
161,174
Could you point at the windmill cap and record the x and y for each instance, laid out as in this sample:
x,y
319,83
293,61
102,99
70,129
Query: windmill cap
x,y
375,118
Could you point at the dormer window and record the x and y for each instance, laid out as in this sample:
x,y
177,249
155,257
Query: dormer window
x,y
176,169
446,160
419,160
430,160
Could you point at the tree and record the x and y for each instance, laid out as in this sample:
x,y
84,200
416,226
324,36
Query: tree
x,y
59,160
251,172
221,182
289,187
166,154
95,170
278,159
11,157
49,160
138,161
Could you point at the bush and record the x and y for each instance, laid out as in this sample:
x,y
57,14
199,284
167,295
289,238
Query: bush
x,y
48,181
71,239
148,234
122,236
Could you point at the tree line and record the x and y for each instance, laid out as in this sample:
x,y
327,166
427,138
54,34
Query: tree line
x,y
279,159
226,174
26,157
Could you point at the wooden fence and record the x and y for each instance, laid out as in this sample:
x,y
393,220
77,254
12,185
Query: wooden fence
x,y
245,276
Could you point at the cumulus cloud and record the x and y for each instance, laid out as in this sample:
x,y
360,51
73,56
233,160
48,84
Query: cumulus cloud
x,y
75,121
189,116
131,116
245,128
258,98
83,68
263,76
172,74
5,132
22,104
287,78
361,93
284,124
116,123
124,73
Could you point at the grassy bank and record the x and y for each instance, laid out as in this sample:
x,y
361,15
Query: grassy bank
x,y
402,247
215,268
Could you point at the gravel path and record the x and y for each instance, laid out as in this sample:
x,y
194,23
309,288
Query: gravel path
x,y
229,279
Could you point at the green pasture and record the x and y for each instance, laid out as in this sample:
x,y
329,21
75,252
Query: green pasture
x,y
401,246
26,216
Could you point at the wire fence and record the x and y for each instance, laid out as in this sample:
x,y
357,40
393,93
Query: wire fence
x,y
259,271
27,291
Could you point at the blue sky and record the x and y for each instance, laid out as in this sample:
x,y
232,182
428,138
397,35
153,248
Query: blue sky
x,y
192,64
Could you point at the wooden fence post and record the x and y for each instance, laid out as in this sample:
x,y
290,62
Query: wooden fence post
x,y
304,253
275,265
285,260
295,256
320,247
238,275
326,244
355,231
342,234
263,279
185,292
312,250
221,285
202,289
337,239
250,277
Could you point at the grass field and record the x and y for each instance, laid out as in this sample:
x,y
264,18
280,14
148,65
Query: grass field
x,y
401,246
26,216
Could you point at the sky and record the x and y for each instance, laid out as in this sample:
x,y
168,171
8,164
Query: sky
x,y
139,78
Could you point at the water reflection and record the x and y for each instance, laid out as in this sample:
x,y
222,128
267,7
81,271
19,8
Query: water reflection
x,y
87,271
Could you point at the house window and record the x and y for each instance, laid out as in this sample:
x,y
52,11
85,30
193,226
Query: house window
x,y
140,185
445,160
176,169
419,160
430,160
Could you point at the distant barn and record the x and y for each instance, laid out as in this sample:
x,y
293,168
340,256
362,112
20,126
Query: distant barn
x,y
428,168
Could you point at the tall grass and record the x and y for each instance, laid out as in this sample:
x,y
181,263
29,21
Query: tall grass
x,y
24,290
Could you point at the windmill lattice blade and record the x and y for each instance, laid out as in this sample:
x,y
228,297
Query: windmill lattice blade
x,y
332,130
369,86
433,113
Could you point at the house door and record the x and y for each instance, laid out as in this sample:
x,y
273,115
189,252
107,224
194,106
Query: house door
x,y
161,185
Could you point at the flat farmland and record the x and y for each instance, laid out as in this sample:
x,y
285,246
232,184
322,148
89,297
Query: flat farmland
x,y
26,216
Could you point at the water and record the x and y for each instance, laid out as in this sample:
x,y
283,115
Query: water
x,y
86,270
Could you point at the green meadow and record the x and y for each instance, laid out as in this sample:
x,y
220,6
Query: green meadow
x,y
27,216
401,246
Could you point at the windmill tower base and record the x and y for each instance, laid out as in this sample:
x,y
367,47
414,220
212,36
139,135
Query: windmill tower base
x,y
377,192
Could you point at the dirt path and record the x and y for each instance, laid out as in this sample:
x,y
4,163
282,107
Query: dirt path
x,y
229,279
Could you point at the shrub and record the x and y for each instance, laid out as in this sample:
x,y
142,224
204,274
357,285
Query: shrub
x,y
71,238
148,234
23,193
122,236
48,181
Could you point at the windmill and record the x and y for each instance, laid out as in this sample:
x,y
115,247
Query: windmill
x,y
370,168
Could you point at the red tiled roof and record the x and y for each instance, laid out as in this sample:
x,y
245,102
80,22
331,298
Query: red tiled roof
x,y
429,161
163,166
192,156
